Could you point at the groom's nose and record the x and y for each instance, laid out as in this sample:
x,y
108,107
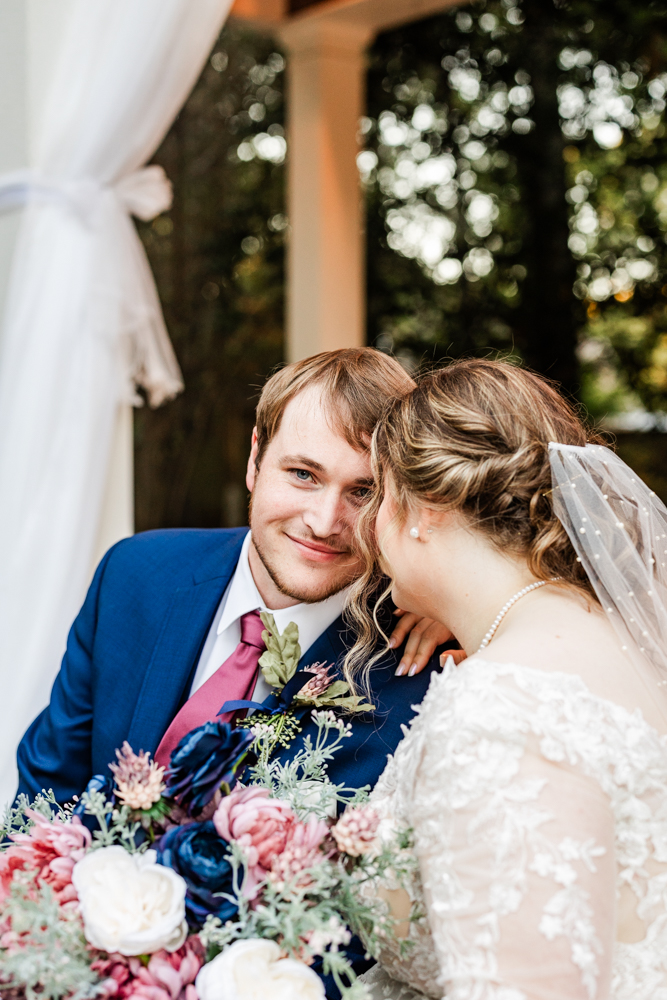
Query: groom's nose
x,y
325,514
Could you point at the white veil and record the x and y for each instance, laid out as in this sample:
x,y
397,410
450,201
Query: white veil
x,y
618,528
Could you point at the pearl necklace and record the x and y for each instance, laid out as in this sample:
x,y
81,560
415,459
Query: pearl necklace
x,y
506,607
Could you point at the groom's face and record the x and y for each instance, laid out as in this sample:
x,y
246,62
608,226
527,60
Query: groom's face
x,y
306,497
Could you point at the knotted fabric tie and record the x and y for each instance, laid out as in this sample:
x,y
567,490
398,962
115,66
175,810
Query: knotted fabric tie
x,y
145,192
233,681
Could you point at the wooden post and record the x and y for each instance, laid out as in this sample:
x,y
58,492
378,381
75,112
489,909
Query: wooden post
x,y
326,272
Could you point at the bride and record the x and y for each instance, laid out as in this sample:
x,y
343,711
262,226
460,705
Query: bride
x,y
534,778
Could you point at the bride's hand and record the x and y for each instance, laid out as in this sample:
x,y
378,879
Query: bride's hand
x,y
424,637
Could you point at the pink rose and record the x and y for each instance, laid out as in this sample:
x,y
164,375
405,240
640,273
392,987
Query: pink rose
x,y
52,847
260,824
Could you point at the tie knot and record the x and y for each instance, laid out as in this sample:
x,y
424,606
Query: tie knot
x,y
251,630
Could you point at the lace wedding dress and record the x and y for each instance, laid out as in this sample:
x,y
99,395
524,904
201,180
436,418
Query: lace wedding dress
x,y
539,813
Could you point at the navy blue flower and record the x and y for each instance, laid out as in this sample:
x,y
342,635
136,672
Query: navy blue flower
x,y
98,783
206,758
198,853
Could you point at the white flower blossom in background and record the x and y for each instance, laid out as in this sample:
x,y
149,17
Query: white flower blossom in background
x,y
270,146
436,190
607,106
254,970
481,212
129,903
448,271
478,263
465,80
418,231
443,215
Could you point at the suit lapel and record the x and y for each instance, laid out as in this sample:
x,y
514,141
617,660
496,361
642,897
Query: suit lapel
x,y
179,644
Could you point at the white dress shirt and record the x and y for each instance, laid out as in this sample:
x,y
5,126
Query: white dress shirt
x,y
242,596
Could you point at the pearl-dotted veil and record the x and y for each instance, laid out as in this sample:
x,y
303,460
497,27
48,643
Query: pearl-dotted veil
x,y
618,528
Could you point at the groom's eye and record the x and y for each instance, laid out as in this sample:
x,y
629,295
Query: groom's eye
x,y
303,475
361,494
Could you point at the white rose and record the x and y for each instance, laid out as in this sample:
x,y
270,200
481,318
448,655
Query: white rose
x,y
254,970
129,903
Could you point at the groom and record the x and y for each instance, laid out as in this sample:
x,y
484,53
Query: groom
x,y
170,627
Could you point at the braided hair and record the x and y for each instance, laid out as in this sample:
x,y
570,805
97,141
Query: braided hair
x,y
471,437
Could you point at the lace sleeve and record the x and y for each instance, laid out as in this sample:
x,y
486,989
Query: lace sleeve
x,y
516,848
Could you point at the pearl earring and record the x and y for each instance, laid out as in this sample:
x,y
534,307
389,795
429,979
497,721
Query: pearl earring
x,y
414,532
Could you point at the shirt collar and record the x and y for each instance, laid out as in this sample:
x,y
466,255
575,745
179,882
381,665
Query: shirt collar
x,y
311,619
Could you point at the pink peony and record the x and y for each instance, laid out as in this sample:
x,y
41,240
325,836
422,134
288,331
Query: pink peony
x,y
52,847
302,850
260,824
166,977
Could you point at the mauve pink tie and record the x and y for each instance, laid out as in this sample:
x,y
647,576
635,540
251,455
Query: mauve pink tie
x,y
233,681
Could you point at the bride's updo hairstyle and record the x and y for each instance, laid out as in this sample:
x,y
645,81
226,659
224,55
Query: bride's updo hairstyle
x,y
472,437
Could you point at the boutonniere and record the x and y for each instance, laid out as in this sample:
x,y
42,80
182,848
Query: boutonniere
x,y
294,691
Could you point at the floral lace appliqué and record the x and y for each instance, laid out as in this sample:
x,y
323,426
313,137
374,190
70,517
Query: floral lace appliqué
x,y
472,777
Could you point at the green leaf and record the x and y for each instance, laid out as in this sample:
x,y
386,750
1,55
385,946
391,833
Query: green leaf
x,y
354,703
283,652
337,694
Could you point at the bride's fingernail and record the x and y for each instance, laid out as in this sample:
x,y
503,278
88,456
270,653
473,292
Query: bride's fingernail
x,y
400,670
413,670
392,643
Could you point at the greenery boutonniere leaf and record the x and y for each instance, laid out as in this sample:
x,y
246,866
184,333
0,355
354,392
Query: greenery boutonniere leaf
x,y
323,692
283,652
280,662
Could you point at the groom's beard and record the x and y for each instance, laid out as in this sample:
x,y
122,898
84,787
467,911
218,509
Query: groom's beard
x,y
267,540
293,590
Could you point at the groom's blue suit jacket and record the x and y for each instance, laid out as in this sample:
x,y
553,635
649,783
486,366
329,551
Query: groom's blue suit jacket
x,y
133,650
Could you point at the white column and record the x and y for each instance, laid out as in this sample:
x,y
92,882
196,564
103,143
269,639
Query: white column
x,y
326,273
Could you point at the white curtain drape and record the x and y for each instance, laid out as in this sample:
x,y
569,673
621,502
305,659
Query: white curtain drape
x,y
83,325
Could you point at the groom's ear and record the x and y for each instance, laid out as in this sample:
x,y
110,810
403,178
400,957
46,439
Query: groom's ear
x,y
251,472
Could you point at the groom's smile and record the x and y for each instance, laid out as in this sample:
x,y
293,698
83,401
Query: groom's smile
x,y
316,551
306,497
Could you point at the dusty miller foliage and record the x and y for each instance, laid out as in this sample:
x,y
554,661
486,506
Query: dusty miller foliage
x,y
115,825
331,900
303,781
54,959
333,896
16,820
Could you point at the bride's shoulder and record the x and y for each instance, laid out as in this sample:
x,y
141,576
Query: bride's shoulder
x,y
572,637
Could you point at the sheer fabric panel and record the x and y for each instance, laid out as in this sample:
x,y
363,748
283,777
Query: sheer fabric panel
x,y
83,324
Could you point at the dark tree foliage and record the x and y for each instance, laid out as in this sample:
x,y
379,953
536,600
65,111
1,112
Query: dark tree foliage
x,y
496,134
218,261
516,177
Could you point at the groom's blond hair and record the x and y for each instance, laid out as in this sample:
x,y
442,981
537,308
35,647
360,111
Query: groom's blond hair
x,y
356,384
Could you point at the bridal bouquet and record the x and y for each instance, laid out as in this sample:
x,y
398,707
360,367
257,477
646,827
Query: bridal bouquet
x,y
195,885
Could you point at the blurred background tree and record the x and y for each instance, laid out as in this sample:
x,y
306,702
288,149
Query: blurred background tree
x,y
218,261
515,166
517,177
